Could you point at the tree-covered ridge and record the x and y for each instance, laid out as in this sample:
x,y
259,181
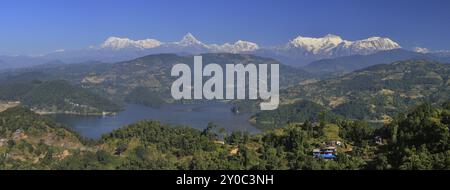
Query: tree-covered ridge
x,y
56,96
31,141
418,139
312,114
378,92
144,96
60,95
151,145
118,80
298,112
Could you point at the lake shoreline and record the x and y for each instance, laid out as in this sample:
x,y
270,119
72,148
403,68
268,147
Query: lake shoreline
x,y
44,112
191,115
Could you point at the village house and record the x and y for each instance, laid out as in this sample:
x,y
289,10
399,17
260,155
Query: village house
x,y
328,152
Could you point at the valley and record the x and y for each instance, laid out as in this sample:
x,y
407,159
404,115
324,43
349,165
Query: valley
x,y
241,89
375,93
121,116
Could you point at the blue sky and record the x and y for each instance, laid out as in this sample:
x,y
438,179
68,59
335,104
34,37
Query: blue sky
x,y
40,26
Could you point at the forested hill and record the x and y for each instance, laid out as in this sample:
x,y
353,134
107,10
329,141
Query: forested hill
x,y
418,139
150,75
55,96
31,141
380,91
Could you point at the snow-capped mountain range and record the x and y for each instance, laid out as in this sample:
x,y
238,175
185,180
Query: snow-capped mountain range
x,y
302,50
298,51
329,45
188,41
121,43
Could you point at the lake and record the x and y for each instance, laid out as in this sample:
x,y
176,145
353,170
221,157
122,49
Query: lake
x,y
193,115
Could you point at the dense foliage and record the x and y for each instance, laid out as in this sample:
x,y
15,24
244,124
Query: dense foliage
x,y
56,96
31,141
298,112
419,140
378,92
144,96
416,140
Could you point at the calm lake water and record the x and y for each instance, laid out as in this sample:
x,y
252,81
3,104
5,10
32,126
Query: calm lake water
x,y
197,116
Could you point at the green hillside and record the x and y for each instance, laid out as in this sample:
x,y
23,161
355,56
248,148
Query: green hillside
x,y
56,96
144,96
298,112
31,141
118,80
380,91
418,139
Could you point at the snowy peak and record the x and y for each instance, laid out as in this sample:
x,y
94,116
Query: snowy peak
x,y
117,43
421,50
316,45
376,43
241,45
185,44
238,47
300,48
189,40
333,45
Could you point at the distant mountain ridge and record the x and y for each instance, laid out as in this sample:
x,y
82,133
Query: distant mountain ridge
x,y
325,54
329,45
354,62
298,51
151,74
188,44
346,64
20,61
302,50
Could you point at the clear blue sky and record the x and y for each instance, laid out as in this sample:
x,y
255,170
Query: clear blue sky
x,y
39,26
